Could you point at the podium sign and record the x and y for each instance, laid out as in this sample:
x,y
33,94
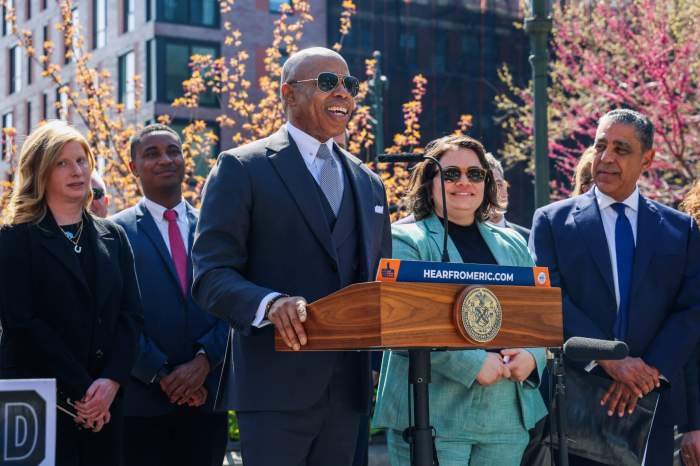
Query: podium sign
x,y
27,422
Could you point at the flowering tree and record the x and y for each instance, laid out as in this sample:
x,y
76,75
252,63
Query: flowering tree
x,y
253,110
90,96
644,56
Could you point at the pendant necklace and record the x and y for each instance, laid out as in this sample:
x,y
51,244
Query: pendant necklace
x,y
74,238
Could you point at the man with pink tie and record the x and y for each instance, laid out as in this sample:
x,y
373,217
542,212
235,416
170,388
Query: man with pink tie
x,y
168,405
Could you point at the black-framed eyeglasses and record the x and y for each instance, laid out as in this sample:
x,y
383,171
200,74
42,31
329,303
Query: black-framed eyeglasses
x,y
327,81
473,174
98,193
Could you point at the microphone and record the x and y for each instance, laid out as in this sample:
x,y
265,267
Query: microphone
x,y
399,158
589,349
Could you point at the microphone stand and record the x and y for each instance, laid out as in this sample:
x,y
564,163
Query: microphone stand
x,y
556,368
420,435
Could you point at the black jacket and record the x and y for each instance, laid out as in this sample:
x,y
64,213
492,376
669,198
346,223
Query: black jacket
x,y
54,325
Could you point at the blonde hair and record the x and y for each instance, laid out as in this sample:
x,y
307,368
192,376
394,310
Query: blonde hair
x,y
36,160
582,173
691,203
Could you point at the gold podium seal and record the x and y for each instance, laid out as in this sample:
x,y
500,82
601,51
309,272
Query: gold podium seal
x,y
478,314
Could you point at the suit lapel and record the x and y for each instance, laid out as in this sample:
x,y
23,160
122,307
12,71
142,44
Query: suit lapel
x,y
437,235
499,251
192,225
591,232
364,203
287,161
58,246
648,230
100,240
145,223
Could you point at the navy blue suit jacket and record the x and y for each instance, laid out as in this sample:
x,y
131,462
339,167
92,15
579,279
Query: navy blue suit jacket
x,y
664,320
175,327
262,229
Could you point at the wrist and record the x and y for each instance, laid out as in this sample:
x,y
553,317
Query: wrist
x,y
271,303
161,374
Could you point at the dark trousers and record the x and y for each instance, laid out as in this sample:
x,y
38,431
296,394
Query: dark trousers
x,y
82,447
185,437
362,445
324,434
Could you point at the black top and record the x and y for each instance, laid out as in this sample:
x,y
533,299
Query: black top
x,y
86,257
470,244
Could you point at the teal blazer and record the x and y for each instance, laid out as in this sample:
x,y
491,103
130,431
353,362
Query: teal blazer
x,y
459,406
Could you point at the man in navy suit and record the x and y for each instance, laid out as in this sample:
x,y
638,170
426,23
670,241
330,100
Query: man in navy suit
x,y
287,220
629,269
169,418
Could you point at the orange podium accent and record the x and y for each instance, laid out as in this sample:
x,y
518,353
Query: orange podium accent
x,y
395,315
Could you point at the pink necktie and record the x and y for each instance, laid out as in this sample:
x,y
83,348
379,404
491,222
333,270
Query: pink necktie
x,y
177,248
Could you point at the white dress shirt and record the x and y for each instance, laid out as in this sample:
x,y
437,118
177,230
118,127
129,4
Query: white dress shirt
x,y
609,216
308,147
157,211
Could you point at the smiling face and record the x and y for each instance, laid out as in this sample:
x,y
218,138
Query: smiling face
x,y
159,164
463,196
619,159
69,178
323,115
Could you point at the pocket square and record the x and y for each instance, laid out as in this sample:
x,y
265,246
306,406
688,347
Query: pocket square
x,y
379,209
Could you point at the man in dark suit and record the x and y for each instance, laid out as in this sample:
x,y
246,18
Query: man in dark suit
x,y
170,395
629,269
287,220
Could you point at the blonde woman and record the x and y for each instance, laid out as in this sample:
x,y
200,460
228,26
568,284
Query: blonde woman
x,y
583,179
69,301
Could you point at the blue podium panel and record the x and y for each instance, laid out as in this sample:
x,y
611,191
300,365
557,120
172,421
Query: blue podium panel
x,y
395,270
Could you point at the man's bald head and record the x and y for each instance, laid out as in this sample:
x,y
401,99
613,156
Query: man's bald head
x,y
320,113
294,67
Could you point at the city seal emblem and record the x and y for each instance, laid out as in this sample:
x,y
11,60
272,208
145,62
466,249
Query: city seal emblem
x,y
478,314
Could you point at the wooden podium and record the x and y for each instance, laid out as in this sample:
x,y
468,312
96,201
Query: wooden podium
x,y
401,315
422,317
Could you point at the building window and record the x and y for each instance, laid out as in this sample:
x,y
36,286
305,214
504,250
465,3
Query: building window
x,y
44,105
44,50
6,25
75,22
127,69
129,16
194,12
43,4
202,168
61,105
15,69
30,70
6,144
174,58
150,69
28,117
149,10
99,18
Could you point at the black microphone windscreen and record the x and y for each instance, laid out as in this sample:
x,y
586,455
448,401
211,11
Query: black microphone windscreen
x,y
399,158
590,349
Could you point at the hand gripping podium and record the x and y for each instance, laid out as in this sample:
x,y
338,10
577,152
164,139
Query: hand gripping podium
x,y
420,317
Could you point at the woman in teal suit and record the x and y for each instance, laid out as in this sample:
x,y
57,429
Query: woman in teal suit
x,y
481,403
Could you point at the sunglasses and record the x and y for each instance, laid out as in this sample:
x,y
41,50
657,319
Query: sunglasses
x,y
98,193
473,174
327,81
